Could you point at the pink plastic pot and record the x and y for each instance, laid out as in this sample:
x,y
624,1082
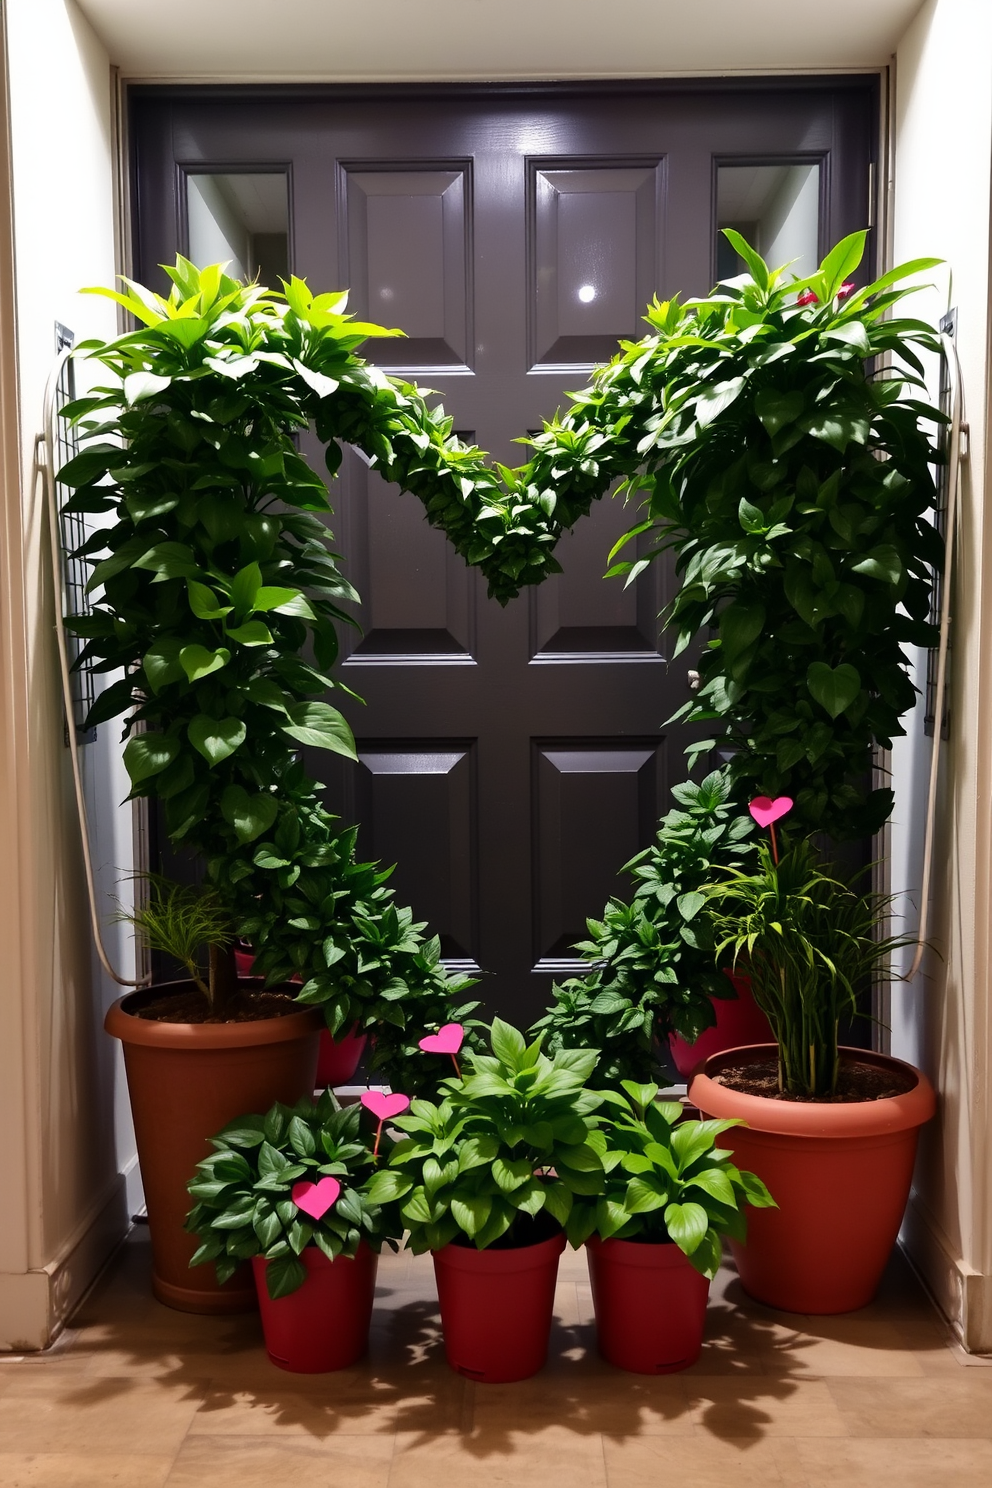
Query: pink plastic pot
x,y
339,1057
324,1325
739,1021
496,1308
650,1305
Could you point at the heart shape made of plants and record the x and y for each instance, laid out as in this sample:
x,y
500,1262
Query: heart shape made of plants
x,y
382,1105
447,1040
765,810
316,1198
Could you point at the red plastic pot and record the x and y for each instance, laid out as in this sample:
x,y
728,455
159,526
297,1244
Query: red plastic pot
x,y
650,1305
739,1020
496,1308
840,1174
339,1057
324,1325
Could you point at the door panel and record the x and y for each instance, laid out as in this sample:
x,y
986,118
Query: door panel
x,y
510,760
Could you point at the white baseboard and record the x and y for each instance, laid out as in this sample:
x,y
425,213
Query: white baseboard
x,y
35,1305
963,1294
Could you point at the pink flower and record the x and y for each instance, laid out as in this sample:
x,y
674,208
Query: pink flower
x,y
809,298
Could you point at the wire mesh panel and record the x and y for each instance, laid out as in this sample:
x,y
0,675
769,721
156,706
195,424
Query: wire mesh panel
x,y
74,532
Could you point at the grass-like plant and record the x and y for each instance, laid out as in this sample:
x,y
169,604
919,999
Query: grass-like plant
x,y
181,920
810,944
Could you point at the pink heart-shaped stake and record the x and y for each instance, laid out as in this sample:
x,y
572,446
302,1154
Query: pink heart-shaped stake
x,y
447,1040
316,1198
765,810
382,1105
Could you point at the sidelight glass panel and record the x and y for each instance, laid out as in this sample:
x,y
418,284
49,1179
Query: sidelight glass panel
x,y
243,219
776,208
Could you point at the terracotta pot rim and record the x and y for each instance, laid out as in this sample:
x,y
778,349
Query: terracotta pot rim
x,y
520,1258
893,1113
124,1024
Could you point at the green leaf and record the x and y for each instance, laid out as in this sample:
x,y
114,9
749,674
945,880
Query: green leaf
x,y
321,726
161,663
834,688
148,754
197,661
244,587
776,410
204,602
841,262
284,1275
470,1213
252,633
686,1224
882,563
250,816
756,264
215,738
508,1044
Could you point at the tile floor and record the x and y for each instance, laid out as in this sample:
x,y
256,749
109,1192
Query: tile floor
x,y
137,1396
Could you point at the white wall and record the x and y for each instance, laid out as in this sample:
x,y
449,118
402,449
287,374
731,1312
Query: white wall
x,y
67,1205
943,159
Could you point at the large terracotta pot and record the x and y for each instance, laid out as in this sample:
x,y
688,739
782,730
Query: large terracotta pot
x,y
650,1305
324,1324
186,1081
739,1020
840,1174
496,1308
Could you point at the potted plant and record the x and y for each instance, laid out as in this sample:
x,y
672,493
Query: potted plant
x,y
832,1131
287,1192
216,599
485,1180
653,1236
652,974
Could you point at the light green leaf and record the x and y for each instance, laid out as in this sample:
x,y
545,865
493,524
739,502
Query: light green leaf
x,y
148,754
321,726
197,661
215,738
250,816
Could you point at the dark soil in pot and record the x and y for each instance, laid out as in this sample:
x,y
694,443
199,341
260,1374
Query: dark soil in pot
x,y
856,1081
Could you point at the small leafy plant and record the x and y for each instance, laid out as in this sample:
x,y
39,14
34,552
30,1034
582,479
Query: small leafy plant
x,y
810,943
666,1180
248,1193
652,962
506,1144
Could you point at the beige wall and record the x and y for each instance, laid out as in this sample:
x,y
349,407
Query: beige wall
x,y
943,161
65,1201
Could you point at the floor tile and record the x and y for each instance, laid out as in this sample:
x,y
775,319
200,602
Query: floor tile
x,y
259,1462
704,1463
552,1457
942,1406
588,1397
82,1470
739,1409
49,1411
897,1463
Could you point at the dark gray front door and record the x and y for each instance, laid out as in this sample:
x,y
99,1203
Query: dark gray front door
x,y
511,760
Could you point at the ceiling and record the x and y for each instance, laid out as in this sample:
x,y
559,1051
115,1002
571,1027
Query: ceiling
x,y
408,40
